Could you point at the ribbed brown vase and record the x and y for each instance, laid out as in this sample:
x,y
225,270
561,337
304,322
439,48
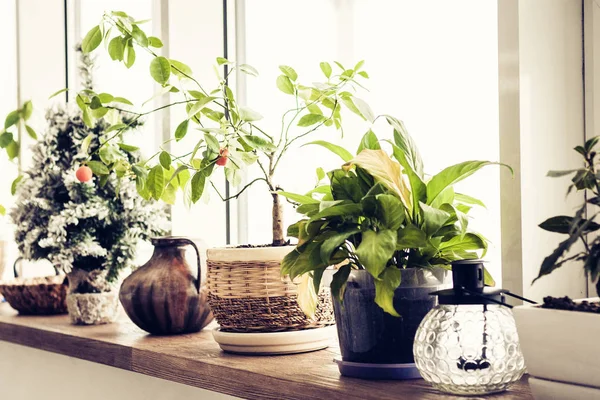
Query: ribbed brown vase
x,y
163,297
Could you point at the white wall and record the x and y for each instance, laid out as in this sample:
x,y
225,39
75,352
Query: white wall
x,y
28,374
542,119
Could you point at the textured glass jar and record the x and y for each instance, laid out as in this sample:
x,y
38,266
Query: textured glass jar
x,y
469,349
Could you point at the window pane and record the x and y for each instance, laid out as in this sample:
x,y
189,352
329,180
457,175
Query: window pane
x,y
431,64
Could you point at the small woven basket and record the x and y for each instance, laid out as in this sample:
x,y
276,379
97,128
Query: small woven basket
x,y
248,294
36,296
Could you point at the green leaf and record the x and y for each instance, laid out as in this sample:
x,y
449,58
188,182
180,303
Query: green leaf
x,y
565,224
98,168
2,210
376,249
116,49
128,148
258,142
326,68
106,98
85,143
468,242
331,244
339,150
31,132
91,40
392,211
109,154
405,142
247,114
199,105
182,129
212,143
198,182
417,186
95,103
15,183
411,237
222,60
463,198
289,72
363,74
11,119
180,68
129,55
310,119
385,288
298,198
27,110
122,100
5,139
12,150
364,109
57,93
160,70
451,175
433,218
155,42
156,181
285,84
338,282
337,211
369,141
248,69
165,160
139,36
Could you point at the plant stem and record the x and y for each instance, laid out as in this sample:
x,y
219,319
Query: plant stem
x,y
278,237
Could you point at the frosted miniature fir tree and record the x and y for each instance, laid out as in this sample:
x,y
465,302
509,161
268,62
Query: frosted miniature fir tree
x,y
89,229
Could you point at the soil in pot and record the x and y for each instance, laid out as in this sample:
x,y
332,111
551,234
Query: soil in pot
x,y
565,303
369,335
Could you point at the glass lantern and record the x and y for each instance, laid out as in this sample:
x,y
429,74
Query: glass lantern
x,y
468,344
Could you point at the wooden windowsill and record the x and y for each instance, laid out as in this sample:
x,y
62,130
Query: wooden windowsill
x,y
197,360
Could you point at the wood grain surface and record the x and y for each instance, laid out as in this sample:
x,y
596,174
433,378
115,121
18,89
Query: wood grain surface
x,y
196,360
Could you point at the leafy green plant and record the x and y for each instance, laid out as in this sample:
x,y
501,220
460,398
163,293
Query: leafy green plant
x,y
578,227
382,215
227,134
9,136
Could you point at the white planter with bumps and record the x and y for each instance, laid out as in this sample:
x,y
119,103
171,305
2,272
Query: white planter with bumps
x,y
561,351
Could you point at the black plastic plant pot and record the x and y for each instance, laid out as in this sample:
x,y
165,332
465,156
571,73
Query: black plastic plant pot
x,y
367,334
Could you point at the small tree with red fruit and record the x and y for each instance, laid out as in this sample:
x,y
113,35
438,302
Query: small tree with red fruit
x,y
90,225
228,133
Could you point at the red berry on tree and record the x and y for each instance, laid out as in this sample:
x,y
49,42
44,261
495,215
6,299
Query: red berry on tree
x,y
223,154
83,173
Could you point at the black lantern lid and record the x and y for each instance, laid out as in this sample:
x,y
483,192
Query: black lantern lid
x,y
469,287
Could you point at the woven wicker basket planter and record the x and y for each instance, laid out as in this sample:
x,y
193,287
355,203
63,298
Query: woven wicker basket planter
x,y
248,294
36,296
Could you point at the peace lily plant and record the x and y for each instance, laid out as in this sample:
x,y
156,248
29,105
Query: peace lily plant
x,y
227,134
382,214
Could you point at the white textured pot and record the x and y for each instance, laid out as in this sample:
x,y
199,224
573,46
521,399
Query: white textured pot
x,y
93,308
559,346
248,294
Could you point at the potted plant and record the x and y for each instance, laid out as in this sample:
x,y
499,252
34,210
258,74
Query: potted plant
x,y
246,291
392,234
88,227
554,351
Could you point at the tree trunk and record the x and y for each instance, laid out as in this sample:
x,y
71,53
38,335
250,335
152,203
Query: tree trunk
x,y
278,236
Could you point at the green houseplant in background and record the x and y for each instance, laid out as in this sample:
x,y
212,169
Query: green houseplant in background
x,y
227,137
392,233
544,330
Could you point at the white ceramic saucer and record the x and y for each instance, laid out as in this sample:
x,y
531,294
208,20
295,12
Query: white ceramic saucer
x,y
271,343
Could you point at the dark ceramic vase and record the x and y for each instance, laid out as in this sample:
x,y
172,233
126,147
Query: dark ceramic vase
x,y
369,335
163,297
